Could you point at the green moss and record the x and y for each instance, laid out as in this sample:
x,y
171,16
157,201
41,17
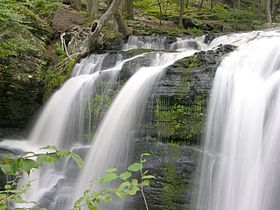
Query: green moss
x,y
57,75
179,121
173,185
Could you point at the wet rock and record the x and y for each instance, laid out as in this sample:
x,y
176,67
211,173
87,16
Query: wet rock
x,y
173,167
179,109
130,67
209,38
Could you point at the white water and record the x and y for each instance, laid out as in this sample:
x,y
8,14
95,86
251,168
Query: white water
x,y
113,141
62,120
240,168
145,42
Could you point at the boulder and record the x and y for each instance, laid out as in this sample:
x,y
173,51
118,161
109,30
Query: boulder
x,y
64,19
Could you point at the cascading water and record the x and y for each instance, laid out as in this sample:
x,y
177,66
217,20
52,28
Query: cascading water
x,y
240,169
66,117
115,134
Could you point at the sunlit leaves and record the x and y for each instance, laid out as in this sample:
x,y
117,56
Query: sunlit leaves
x,y
13,166
135,167
127,183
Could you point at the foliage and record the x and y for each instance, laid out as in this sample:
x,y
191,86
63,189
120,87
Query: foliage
x,y
180,120
57,75
127,186
17,20
14,166
222,17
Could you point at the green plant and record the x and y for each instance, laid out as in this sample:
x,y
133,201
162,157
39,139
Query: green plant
x,y
127,186
14,166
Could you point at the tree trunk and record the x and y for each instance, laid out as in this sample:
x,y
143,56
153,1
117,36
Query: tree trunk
x,y
268,11
92,7
160,11
236,4
77,4
181,13
122,27
97,25
129,8
212,4
201,4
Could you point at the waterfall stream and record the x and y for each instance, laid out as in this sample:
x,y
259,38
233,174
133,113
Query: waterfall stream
x,y
241,148
240,169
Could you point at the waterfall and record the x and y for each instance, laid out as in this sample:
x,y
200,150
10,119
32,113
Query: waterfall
x,y
113,141
240,166
67,119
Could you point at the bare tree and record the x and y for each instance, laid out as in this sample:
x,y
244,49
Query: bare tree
x,y
77,4
201,4
181,13
129,8
92,7
97,25
268,11
236,4
212,4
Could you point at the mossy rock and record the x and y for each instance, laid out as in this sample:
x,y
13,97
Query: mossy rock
x,y
180,101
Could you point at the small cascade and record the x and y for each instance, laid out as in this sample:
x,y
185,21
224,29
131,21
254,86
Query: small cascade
x,y
115,133
240,167
146,42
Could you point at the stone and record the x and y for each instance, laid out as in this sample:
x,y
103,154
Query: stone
x,y
64,19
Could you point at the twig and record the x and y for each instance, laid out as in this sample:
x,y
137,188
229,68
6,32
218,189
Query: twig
x,y
142,190
63,44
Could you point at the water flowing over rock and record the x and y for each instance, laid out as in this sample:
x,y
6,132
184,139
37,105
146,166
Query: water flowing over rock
x,y
239,166
149,97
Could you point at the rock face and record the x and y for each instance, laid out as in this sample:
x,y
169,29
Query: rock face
x,y
21,89
173,166
178,111
176,117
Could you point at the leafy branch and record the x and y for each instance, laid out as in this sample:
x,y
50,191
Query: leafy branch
x,y
129,186
14,166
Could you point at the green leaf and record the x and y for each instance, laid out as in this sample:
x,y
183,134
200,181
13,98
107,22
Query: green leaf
x,y
51,158
63,153
49,147
120,195
124,185
133,190
135,167
41,159
145,183
28,164
7,169
107,198
91,207
134,182
7,187
148,177
18,199
2,196
125,175
111,170
77,159
145,154
3,207
108,178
